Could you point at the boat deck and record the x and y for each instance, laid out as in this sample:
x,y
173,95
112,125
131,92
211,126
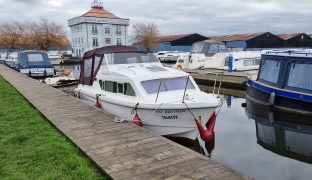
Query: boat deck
x,y
230,80
120,150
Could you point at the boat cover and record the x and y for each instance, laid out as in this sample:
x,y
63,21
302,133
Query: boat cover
x,y
92,61
34,59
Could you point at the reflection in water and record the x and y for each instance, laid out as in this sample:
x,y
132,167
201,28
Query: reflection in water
x,y
262,149
293,140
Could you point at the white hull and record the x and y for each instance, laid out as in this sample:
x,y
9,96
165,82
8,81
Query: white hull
x,y
166,122
38,72
55,61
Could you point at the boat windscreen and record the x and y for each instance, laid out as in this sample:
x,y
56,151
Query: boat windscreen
x,y
300,76
198,47
130,58
270,71
172,84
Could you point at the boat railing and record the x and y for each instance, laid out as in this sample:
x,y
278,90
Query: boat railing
x,y
290,52
215,83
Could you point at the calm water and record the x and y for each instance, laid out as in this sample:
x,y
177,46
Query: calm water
x,y
236,146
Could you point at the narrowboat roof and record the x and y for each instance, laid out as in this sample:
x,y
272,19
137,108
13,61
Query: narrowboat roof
x,y
109,49
290,53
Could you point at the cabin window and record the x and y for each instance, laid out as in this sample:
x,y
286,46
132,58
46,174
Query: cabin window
x,y
270,71
252,62
87,67
102,84
111,86
214,48
130,58
300,76
35,57
198,47
179,83
120,88
222,48
128,90
180,61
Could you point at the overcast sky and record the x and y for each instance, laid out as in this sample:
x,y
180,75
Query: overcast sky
x,y
207,17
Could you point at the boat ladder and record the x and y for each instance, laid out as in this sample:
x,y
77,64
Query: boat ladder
x,y
215,83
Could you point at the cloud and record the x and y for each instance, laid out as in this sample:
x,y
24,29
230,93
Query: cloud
x,y
179,16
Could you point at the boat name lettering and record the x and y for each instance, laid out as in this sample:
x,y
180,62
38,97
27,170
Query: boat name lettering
x,y
171,111
170,117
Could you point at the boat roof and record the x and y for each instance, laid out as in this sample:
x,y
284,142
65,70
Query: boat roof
x,y
290,53
109,49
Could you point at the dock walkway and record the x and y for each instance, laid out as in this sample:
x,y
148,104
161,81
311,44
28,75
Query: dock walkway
x,y
120,150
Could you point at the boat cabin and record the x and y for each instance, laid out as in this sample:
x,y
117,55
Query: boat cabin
x,y
290,70
209,47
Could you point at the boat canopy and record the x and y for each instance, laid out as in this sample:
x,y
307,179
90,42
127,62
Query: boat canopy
x,y
34,59
92,61
291,71
209,47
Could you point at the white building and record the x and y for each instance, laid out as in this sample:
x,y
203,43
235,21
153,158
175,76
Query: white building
x,y
97,28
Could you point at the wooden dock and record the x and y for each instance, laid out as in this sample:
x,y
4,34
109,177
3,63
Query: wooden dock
x,y
230,80
120,150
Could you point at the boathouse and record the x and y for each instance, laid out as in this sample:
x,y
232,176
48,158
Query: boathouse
x,y
296,40
182,42
97,28
263,40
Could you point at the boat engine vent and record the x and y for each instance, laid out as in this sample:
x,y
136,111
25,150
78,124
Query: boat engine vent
x,y
155,68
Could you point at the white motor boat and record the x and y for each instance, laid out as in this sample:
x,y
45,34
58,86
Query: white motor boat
x,y
211,54
55,57
168,57
133,85
12,59
34,64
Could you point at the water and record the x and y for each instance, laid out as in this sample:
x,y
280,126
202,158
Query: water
x,y
236,146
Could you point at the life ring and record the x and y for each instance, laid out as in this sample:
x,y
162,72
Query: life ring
x,y
180,66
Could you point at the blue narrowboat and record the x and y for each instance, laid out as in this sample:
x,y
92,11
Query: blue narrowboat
x,y
284,82
34,64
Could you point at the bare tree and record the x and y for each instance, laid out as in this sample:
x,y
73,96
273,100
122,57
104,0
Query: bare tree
x,y
11,34
47,35
146,35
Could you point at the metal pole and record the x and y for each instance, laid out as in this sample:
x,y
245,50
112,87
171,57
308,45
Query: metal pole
x,y
158,90
185,88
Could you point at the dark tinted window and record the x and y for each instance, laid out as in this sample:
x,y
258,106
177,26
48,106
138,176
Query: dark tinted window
x,y
129,90
111,86
270,70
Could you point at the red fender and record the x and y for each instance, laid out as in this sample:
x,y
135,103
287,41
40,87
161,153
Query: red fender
x,y
207,135
180,66
137,121
98,104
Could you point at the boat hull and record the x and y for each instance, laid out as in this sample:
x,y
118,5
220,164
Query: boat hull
x,y
165,122
38,72
284,102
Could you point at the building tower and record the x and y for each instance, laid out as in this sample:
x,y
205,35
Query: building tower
x,y
97,28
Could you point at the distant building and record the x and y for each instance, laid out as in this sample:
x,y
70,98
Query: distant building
x,y
264,40
181,42
296,40
97,28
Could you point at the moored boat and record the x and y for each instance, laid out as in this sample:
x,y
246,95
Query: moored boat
x,y
134,85
34,64
284,82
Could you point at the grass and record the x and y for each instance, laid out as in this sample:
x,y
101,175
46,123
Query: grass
x,y
31,148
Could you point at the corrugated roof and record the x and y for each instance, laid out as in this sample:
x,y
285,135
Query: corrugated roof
x,y
236,37
100,12
288,36
170,38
